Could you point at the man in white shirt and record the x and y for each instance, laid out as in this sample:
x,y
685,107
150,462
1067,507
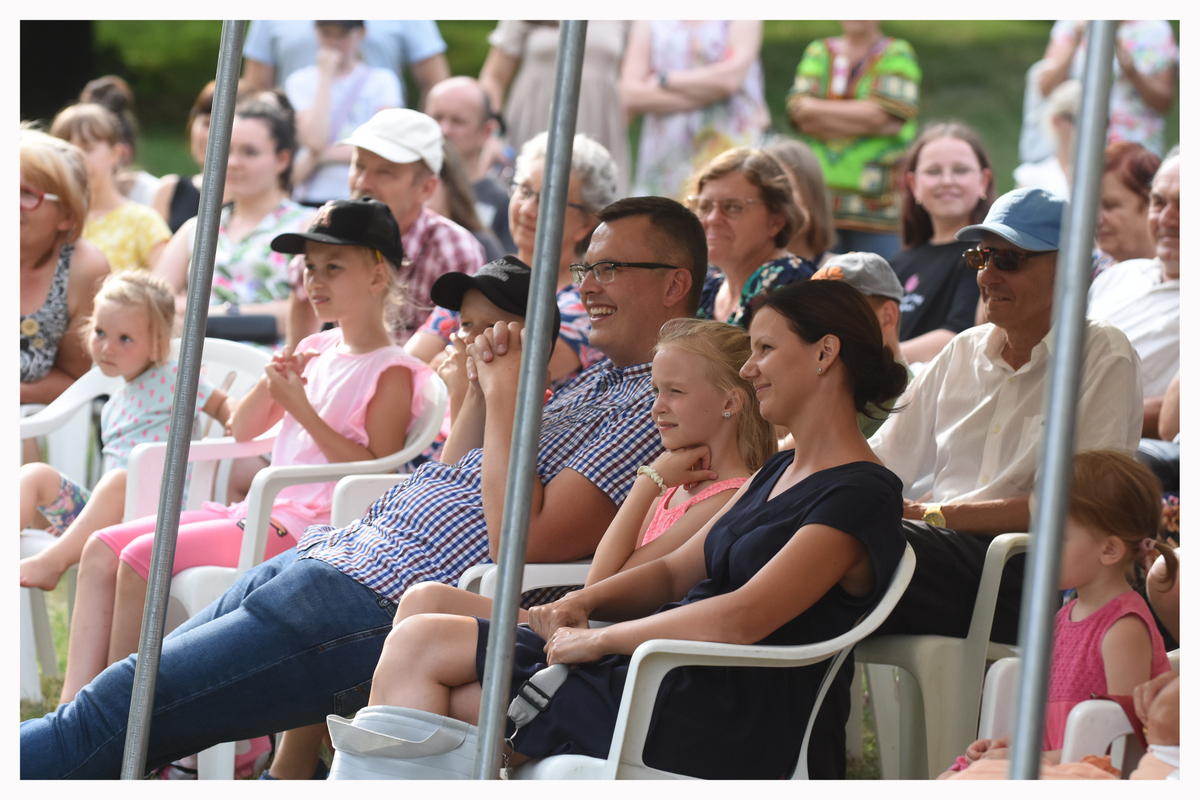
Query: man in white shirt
x,y
1141,296
969,425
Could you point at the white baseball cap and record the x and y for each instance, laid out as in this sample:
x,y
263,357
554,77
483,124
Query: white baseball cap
x,y
402,136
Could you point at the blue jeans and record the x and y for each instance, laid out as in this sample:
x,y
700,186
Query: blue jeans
x,y
291,642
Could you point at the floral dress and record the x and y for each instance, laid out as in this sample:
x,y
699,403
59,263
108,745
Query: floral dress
x,y
770,276
248,270
674,146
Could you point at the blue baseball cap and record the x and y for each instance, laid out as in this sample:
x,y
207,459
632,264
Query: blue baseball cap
x,y
1031,219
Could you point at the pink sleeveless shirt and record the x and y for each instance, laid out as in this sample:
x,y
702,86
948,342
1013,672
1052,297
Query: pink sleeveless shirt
x,y
1077,665
340,387
666,517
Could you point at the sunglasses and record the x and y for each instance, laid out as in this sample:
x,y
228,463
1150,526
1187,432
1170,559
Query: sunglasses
x,y
1003,260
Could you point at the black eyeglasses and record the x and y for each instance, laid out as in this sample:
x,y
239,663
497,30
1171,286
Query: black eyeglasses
x,y
1003,260
606,271
522,192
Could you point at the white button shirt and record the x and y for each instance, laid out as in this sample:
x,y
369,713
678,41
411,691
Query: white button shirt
x,y
1133,296
972,423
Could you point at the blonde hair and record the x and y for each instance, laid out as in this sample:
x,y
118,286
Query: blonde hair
x,y
90,122
145,291
725,348
56,166
1114,494
395,297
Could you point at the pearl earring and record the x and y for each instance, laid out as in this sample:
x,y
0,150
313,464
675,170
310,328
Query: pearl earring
x,y
819,370
726,415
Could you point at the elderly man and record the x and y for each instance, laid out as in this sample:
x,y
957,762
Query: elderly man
x,y
463,110
397,158
969,425
1141,296
297,638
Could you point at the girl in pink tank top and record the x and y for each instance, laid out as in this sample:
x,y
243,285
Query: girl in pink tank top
x,y
1105,640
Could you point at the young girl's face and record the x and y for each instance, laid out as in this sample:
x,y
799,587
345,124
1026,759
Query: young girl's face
x,y
1081,550
100,157
477,314
949,180
342,281
688,409
121,342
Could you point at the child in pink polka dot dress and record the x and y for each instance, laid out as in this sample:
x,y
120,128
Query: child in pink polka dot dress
x,y
129,335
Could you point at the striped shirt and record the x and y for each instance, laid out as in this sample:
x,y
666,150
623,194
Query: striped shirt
x,y
432,528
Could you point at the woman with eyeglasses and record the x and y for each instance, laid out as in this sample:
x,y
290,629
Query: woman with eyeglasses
x,y
744,200
59,271
592,186
948,185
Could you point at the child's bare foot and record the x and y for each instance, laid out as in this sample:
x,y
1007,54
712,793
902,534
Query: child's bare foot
x,y
41,572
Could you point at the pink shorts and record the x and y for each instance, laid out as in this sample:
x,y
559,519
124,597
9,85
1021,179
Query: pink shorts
x,y
206,539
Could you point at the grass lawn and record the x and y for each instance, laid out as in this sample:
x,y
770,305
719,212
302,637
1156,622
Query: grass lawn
x,y
973,71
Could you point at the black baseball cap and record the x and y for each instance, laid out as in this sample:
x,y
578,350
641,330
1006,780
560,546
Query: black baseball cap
x,y
362,223
505,282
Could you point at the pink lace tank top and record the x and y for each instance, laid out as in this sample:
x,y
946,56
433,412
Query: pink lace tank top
x,y
666,517
1077,665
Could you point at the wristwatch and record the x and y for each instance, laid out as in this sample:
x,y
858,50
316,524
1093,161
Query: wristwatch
x,y
934,516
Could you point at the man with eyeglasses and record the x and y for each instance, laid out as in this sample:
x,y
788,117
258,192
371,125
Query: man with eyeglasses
x,y
298,637
965,441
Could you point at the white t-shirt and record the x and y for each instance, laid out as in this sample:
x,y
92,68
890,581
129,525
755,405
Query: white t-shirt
x,y
377,89
972,423
1133,296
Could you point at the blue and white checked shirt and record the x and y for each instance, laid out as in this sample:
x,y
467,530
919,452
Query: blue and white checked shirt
x,y
432,528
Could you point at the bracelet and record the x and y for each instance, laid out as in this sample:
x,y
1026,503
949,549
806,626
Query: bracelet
x,y
662,80
652,473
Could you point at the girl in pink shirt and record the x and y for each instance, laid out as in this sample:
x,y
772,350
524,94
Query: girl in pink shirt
x,y
347,394
1105,640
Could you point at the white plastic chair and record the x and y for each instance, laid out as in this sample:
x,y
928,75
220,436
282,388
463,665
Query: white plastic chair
x,y
194,589
948,672
1094,727
654,659
231,366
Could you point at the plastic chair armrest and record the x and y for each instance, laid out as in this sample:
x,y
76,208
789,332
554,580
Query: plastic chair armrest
x,y
354,494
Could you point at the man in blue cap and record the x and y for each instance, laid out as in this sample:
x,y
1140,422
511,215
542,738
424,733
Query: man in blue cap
x,y
965,441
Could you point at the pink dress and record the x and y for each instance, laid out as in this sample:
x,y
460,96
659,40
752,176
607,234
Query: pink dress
x,y
340,387
1077,665
665,517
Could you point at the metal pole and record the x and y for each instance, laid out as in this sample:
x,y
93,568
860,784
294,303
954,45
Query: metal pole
x,y
183,407
1040,599
522,462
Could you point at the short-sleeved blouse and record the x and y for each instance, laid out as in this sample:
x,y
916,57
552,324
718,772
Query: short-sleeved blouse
x,y
767,278
127,234
248,270
724,722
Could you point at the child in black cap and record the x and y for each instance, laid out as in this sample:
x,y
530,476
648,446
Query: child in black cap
x,y
496,293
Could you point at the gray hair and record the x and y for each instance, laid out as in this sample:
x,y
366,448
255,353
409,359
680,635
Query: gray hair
x,y
590,162
1064,100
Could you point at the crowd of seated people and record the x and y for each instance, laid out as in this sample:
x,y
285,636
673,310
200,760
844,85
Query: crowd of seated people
x,y
890,316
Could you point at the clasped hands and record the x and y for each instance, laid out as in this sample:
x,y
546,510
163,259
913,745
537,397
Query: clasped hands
x,y
564,626
286,381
